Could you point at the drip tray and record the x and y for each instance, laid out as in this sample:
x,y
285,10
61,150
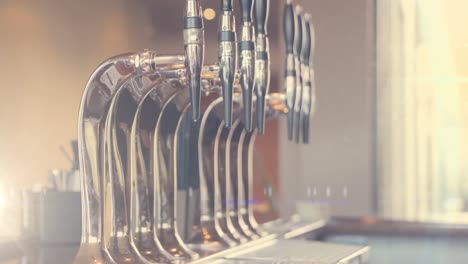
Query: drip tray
x,y
300,252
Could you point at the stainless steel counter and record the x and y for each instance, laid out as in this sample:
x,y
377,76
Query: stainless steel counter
x,y
287,244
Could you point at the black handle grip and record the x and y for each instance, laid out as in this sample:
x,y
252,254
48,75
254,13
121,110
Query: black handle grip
x,y
246,8
307,40
305,128
289,27
226,5
261,11
312,40
298,31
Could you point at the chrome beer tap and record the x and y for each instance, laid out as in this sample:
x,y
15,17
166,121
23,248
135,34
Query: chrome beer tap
x,y
262,64
132,112
220,163
298,49
119,154
246,167
142,179
290,71
243,189
194,45
241,163
308,96
166,166
165,171
236,185
108,80
247,60
305,75
208,235
117,131
227,55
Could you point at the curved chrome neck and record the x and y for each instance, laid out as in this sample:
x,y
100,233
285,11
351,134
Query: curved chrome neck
x,y
105,84
111,145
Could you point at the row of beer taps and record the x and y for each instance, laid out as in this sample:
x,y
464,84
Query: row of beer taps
x,y
253,71
299,35
253,67
137,148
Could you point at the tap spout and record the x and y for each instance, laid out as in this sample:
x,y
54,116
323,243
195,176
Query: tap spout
x,y
247,60
298,63
290,71
227,55
309,96
194,46
262,66
305,74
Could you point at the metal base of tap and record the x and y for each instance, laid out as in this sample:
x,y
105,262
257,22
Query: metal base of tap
x,y
243,228
206,239
91,253
229,229
173,245
146,245
253,226
121,251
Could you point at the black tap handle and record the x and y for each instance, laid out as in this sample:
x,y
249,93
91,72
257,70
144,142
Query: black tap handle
x,y
261,10
226,5
305,128
246,7
306,41
289,27
312,41
298,31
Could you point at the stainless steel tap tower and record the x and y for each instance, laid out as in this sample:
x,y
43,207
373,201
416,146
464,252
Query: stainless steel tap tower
x,y
133,134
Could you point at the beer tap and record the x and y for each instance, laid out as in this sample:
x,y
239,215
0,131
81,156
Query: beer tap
x,y
236,185
246,167
209,235
308,95
262,64
227,55
142,178
221,145
122,109
247,60
194,45
133,111
108,81
298,49
165,172
305,73
290,72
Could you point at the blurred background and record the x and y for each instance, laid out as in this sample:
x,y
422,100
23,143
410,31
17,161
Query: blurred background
x,y
389,138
